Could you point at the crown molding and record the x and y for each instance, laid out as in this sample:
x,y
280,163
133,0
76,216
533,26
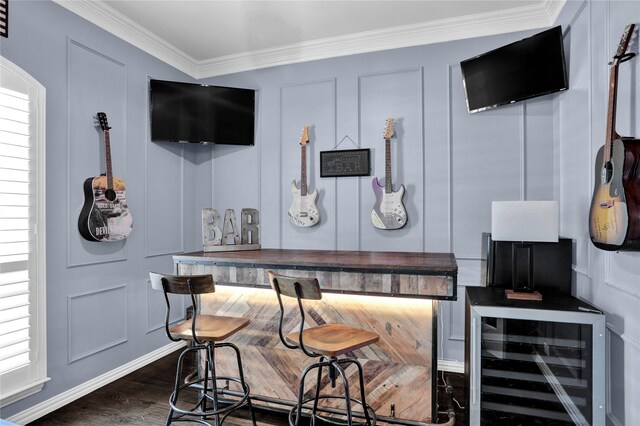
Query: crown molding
x,y
110,20
510,20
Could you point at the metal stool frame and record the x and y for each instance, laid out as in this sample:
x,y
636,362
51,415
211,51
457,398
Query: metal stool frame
x,y
195,285
309,288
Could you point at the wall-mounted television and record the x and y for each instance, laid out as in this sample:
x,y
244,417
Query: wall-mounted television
x,y
196,113
527,68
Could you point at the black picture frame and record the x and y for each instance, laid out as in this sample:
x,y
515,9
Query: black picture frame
x,y
4,18
345,162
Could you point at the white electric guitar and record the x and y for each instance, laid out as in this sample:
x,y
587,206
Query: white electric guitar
x,y
303,211
388,212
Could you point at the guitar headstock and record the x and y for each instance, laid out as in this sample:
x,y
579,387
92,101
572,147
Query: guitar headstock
x,y
621,54
102,120
388,129
304,135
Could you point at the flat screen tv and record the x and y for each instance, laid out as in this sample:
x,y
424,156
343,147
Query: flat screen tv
x,y
527,68
196,113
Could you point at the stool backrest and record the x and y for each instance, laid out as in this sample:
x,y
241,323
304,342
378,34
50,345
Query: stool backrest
x,y
182,284
179,284
305,288
299,288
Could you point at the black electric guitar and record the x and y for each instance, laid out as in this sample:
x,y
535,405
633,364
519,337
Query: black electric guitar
x,y
105,215
614,217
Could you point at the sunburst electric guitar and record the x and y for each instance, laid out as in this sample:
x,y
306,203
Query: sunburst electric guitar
x,y
105,215
388,211
614,217
303,211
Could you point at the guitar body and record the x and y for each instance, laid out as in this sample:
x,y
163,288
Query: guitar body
x,y
614,217
303,211
388,211
104,215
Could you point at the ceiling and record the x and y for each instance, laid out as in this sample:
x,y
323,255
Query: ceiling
x,y
205,38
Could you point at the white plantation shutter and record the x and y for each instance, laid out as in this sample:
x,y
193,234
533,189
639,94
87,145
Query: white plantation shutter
x,y
14,230
22,254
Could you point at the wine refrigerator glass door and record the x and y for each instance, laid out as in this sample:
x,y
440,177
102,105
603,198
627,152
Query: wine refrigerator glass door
x,y
533,372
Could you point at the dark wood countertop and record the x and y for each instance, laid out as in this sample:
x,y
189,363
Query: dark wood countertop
x,y
343,260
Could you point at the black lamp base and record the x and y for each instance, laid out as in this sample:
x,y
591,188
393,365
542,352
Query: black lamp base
x,y
522,268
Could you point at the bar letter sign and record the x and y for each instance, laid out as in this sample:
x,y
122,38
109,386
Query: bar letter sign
x,y
224,235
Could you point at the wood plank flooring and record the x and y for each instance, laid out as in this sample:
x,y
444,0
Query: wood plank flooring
x,y
140,399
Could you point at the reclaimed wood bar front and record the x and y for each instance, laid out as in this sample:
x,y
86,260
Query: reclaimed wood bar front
x,y
394,294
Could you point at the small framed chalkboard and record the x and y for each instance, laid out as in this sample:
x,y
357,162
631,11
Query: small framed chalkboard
x,y
345,162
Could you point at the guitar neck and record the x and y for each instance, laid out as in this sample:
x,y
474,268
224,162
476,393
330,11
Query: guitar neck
x,y
107,145
388,188
611,114
303,169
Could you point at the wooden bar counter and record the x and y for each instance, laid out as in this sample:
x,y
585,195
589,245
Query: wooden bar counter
x,y
394,294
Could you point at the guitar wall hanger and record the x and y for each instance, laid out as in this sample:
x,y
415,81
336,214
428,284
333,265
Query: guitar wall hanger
x,y
623,58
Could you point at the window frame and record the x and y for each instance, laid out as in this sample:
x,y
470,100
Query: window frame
x,y
30,379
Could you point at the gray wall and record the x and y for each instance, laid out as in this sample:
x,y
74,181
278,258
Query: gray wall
x,y
452,163
101,314
609,280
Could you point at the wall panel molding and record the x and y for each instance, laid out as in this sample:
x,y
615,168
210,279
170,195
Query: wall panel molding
x,y
630,288
319,114
165,200
450,317
477,176
155,304
450,68
98,318
397,93
95,82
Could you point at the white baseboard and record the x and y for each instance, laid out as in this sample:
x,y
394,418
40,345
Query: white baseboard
x,y
451,366
58,401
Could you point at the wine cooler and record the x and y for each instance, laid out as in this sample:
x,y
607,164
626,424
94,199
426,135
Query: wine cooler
x,y
533,362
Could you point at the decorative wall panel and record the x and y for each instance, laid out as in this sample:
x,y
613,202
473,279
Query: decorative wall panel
x,y
312,104
157,307
164,204
398,95
96,83
96,321
487,158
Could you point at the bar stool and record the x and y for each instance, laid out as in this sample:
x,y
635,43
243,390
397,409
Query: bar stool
x,y
327,342
203,333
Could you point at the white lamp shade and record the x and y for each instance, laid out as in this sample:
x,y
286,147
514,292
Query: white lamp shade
x,y
524,221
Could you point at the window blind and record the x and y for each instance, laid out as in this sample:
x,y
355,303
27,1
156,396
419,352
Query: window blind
x,y
15,235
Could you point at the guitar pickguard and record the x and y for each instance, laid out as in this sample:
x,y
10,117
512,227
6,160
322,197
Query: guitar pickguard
x,y
388,212
303,211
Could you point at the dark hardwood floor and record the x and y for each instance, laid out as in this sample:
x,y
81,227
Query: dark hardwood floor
x,y
140,399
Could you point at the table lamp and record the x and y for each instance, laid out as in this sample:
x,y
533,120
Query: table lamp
x,y
523,223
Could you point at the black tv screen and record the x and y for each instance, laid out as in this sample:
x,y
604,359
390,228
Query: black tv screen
x,y
186,112
527,68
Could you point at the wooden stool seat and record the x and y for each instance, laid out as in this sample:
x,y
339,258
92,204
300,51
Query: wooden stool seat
x,y
209,328
204,334
334,339
325,342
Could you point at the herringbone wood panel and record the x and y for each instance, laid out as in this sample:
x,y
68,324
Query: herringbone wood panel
x,y
397,369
